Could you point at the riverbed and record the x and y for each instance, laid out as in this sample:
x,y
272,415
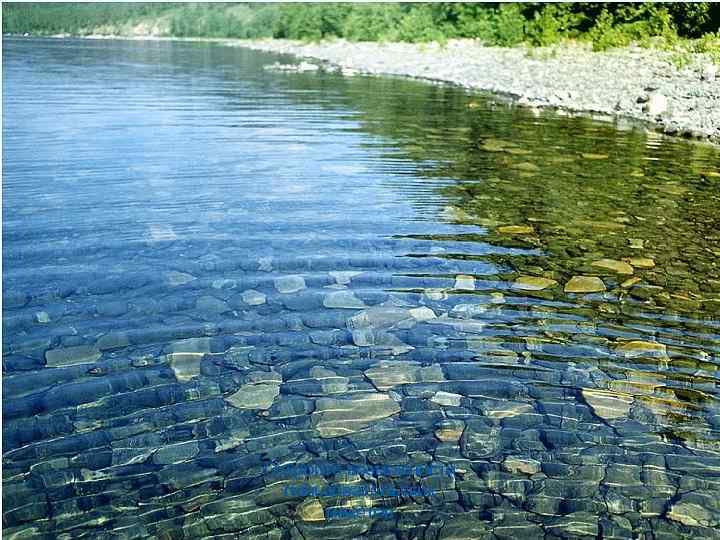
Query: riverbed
x,y
241,302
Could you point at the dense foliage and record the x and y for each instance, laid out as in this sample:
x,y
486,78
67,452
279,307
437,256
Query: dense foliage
x,y
605,24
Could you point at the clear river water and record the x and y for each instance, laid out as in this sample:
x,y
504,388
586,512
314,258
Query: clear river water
x,y
242,303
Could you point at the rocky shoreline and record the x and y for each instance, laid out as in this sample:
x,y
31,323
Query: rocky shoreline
x,y
636,83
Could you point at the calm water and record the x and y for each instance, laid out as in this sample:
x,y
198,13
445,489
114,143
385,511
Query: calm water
x,y
214,273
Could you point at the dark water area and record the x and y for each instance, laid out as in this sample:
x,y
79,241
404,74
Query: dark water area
x,y
239,303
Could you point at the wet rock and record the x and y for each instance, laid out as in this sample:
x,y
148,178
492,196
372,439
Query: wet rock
x,y
533,283
464,283
514,465
210,304
42,317
343,277
289,284
185,365
449,430
343,300
695,509
70,356
255,395
378,317
640,262
388,374
584,284
480,440
515,229
636,348
253,298
447,399
311,510
422,313
341,417
607,405
321,382
176,453
619,267
175,278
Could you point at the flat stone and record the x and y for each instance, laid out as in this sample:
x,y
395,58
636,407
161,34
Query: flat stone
x,y
340,417
195,345
174,278
450,430
447,399
289,284
584,284
635,348
343,300
640,262
388,374
185,365
692,514
619,267
253,298
343,277
42,317
254,396
515,229
422,313
515,465
210,304
310,510
464,283
607,405
630,282
176,453
532,283
70,356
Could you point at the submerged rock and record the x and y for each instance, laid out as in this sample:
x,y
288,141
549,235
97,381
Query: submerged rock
x,y
607,405
289,284
619,267
340,417
640,262
635,348
343,300
532,283
185,365
515,229
70,356
585,284
258,395
343,277
253,298
464,283
311,510
388,374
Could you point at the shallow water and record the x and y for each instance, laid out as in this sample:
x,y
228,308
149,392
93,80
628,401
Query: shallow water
x,y
212,270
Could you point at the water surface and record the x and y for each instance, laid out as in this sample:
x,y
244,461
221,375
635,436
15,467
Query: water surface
x,y
212,271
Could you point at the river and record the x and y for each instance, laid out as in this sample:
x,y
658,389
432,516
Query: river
x,y
241,303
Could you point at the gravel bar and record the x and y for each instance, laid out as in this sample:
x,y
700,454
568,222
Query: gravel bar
x,y
631,82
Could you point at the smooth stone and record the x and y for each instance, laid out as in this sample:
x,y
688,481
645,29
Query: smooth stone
x,y
178,278
176,453
253,298
422,313
532,283
450,430
656,104
70,356
340,417
42,317
388,374
343,277
185,365
464,283
224,284
640,262
447,399
584,284
380,316
194,345
516,465
630,282
210,304
515,229
619,267
254,396
310,510
343,300
692,514
607,405
635,348
289,284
